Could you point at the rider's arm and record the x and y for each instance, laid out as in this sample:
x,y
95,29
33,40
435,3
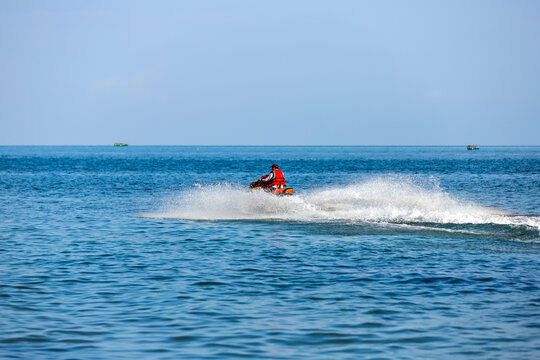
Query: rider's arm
x,y
268,177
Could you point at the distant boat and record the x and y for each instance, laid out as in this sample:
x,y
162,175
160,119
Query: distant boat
x,y
473,147
120,144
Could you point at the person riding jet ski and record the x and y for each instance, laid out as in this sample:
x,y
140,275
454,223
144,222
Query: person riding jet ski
x,y
273,182
275,179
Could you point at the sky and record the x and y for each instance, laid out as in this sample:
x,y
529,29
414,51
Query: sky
x,y
341,72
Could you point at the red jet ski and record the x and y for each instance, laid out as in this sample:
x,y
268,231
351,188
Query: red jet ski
x,y
260,185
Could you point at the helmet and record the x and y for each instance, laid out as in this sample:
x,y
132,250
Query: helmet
x,y
274,166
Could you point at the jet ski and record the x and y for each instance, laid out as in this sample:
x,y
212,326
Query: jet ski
x,y
260,185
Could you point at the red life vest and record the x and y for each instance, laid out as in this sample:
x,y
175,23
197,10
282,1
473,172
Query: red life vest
x,y
279,179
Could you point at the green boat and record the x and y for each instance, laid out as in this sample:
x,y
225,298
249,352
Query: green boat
x,y
120,144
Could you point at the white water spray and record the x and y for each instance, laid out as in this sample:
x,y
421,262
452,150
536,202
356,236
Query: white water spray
x,y
380,200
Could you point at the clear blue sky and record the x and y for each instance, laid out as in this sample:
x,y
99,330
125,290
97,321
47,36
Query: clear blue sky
x,y
270,72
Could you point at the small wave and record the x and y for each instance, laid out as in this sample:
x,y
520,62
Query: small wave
x,y
393,200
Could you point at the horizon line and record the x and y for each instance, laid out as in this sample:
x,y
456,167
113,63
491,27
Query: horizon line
x,y
254,145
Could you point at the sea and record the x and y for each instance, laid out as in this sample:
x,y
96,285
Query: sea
x,y
161,252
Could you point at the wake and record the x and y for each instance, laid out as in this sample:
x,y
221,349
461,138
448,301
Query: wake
x,y
379,200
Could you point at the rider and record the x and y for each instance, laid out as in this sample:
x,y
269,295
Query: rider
x,y
275,179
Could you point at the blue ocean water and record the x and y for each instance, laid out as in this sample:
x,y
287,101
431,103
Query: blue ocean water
x,y
161,253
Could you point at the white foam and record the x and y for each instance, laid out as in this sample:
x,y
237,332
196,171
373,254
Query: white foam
x,y
390,200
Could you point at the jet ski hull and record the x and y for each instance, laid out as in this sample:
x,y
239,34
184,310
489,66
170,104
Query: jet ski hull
x,y
258,185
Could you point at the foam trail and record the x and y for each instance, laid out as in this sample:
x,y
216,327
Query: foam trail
x,y
382,200
226,202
